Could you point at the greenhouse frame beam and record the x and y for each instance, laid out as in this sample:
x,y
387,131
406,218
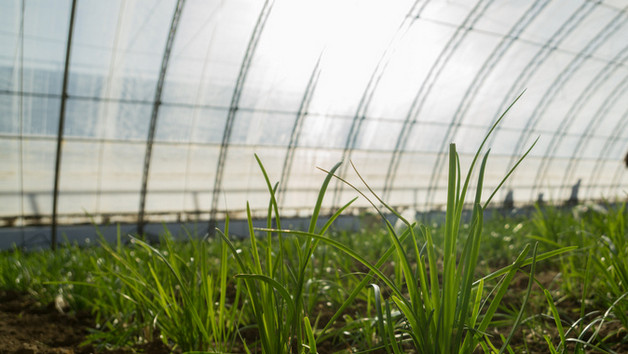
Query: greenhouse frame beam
x,y
550,46
426,87
620,170
21,115
64,97
297,127
478,82
560,81
619,91
602,77
233,109
153,118
369,92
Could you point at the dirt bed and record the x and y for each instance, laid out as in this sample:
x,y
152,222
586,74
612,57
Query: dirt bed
x,y
27,326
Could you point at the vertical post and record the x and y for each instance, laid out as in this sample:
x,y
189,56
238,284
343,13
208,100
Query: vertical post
x,y
64,97
233,109
296,129
153,117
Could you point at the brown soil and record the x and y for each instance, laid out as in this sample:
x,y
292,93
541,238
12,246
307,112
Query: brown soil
x,y
28,327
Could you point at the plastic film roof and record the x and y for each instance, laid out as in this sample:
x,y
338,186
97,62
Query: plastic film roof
x,y
151,110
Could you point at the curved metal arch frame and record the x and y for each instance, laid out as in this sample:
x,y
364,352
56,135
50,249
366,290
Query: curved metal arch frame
x,y
582,144
104,108
155,112
196,106
59,153
619,171
476,84
426,87
537,61
600,79
21,115
561,80
233,109
296,130
621,90
369,92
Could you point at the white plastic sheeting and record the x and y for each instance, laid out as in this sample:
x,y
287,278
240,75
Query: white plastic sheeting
x,y
302,83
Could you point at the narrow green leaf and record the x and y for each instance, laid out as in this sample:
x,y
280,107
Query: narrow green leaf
x,y
310,335
319,200
380,316
273,283
542,256
559,324
525,301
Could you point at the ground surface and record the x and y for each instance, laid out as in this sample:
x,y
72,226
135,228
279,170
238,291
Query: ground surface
x,y
30,327
27,326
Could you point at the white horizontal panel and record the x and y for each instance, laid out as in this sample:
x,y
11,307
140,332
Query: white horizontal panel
x,y
414,171
200,168
38,166
10,177
352,52
372,166
29,115
118,48
460,70
190,124
80,177
426,137
601,22
469,139
121,177
108,120
451,12
378,135
34,42
616,149
168,167
242,172
305,173
325,131
404,75
262,128
555,18
212,38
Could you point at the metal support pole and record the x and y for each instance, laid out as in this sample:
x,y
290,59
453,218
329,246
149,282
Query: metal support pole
x,y
64,97
233,109
296,129
153,118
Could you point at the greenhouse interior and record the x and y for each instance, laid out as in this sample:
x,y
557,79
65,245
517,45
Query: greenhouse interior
x,y
207,120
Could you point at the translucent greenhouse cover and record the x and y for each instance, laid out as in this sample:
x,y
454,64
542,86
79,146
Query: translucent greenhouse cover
x,y
149,110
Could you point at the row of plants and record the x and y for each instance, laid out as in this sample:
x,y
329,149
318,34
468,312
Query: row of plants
x,y
553,282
